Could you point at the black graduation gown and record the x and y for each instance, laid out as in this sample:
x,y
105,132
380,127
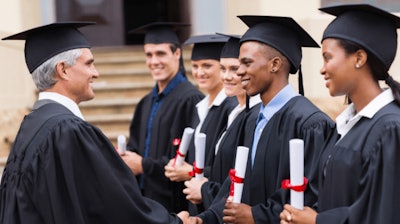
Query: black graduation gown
x,y
361,182
298,118
224,160
173,116
61,169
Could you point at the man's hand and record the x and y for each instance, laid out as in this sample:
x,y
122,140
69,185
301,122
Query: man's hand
x,y
193,190
184,216
292,215
237,213
134,162
178,173
195,220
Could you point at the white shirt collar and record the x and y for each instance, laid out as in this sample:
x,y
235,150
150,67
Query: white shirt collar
x,y
254,100
347,119
202,106
220,98
63,100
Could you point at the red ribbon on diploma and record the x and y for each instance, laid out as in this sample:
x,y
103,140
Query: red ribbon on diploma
x,y
299,188
195,170
234,179
177,154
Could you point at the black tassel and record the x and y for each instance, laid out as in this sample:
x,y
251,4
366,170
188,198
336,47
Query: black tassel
x,y
301,88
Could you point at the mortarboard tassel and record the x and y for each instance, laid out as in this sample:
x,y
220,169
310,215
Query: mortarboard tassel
x,y
301,88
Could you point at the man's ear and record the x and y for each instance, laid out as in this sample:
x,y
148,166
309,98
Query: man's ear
x,y
61,69
177,53
276,64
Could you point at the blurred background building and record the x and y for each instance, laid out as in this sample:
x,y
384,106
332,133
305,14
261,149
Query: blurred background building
x,y
119,56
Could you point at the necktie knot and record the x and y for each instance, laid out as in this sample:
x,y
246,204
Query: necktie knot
x,y
260,118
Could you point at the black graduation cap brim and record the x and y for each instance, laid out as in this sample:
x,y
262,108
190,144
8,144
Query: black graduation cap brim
x,y
370,27
282,33
231,47
160,32
207,46
44,42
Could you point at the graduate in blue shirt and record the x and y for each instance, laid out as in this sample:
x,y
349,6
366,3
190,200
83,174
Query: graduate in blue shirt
x,y
270,50
161,116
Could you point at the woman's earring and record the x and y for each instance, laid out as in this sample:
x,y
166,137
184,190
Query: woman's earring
x,y
357,66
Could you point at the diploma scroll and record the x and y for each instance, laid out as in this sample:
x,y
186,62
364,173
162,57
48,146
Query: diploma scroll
x,y
237,175
200,145
121,144
183,146
296,156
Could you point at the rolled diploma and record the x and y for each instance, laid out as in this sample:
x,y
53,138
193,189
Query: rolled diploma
x,y
296,156
200,145
121,144
240,168
183,147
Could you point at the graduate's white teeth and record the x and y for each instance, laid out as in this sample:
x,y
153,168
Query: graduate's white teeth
x,y
245,82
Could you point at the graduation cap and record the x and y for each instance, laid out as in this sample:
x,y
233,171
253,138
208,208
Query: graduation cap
x,y
160,32
44,42
282,33
372,28
207,46
231,47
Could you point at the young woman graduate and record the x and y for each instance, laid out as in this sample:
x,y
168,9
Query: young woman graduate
x,y
213,111
357,176
203,191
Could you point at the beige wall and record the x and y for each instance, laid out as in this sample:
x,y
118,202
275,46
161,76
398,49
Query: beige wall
x,y
15,82
17,89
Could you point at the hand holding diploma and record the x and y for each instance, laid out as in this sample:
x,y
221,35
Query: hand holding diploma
x,y
236,212
178,173
296,212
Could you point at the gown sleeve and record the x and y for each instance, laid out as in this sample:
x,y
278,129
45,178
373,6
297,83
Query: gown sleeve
x,y
209,190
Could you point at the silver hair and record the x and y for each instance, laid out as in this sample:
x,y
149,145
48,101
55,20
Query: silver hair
x,y
44,75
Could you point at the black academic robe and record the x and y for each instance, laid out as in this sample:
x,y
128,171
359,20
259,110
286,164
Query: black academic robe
x,y
61,169
359,176
173,116
298,118
224,160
